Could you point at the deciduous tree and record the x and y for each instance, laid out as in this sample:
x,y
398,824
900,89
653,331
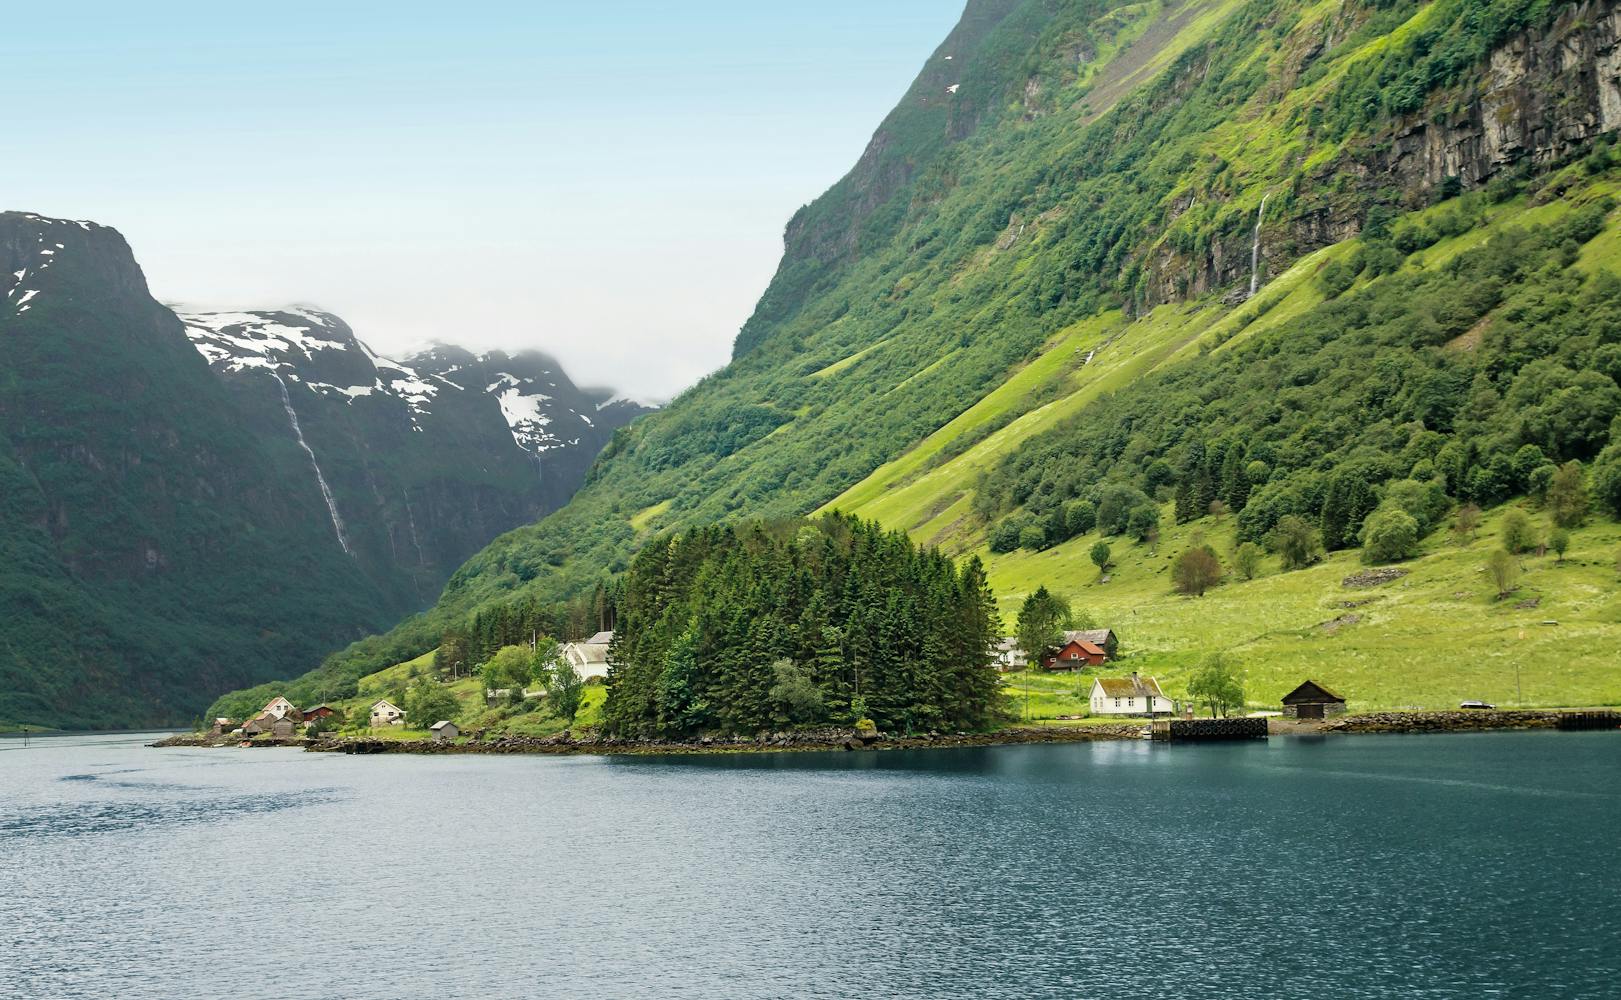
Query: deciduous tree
x,y
1247,560
1100,556
1567,496
1196,570
1218,685
1503,567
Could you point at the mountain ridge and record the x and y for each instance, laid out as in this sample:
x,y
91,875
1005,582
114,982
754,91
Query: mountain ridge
x,y
156,461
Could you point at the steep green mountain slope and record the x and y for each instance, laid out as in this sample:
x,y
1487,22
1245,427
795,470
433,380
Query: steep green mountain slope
x,y
1071,199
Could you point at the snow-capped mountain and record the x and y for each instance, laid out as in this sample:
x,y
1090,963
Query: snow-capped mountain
x,y
542,409
211,499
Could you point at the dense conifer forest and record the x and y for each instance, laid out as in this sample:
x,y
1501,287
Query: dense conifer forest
x,y
738,628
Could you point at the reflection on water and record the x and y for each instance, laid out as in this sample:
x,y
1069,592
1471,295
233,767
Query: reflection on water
x,y
1427,866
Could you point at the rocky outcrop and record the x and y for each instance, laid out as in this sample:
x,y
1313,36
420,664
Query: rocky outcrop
x,y
1543,95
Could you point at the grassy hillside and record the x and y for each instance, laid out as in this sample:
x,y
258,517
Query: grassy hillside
x,y
1435,637
1089,190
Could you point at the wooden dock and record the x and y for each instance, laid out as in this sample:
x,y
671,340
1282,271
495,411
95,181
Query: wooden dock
x,y
1599,719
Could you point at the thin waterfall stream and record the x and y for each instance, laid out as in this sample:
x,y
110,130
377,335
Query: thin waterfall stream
x,y
1255,247
326,491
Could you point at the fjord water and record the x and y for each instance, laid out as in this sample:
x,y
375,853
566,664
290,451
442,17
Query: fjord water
x,y
1403,866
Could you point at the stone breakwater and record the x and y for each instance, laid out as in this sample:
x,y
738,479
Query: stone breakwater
x,y
1443,722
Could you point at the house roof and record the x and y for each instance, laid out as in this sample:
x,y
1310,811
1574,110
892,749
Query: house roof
x,y
1309,692
384,701
442,723
1129,687
1086,647
602,637
1096,636
1008,643
581,653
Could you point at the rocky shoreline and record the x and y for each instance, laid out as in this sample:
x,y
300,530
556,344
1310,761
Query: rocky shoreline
x,y
567,743
827,740
1444,722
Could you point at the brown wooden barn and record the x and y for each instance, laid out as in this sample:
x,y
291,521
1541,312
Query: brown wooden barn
x,y
1312,701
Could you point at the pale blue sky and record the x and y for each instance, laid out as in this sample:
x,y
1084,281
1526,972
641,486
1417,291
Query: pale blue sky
x,y
607,181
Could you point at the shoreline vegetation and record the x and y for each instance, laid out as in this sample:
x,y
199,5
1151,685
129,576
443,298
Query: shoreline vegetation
x,y
828,740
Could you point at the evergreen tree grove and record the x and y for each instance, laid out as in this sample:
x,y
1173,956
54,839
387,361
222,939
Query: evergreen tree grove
x,y
724,628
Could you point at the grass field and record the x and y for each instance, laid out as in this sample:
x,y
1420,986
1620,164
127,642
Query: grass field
x,y
1433,638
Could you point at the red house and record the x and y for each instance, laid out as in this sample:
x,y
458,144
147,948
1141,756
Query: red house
x,y
1075,654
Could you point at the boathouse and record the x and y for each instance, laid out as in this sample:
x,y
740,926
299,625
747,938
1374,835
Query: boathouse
x,y
282,727
444,731
1312,701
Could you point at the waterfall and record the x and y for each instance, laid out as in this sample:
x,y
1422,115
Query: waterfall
x,y
326,491
1255,248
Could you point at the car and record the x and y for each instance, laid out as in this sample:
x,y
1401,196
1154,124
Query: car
x,y
1477,705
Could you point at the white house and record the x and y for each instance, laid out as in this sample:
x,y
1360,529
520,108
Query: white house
x,y
589,657
386,713
1132,695
1008,654
277,707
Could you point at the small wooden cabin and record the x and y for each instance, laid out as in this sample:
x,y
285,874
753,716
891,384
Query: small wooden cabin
x,y
1312,701
444,731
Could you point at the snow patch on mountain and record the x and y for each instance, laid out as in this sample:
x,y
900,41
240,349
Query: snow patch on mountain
x,y
250,340
303,346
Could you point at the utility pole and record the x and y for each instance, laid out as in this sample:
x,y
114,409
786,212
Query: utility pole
x,y
1519,692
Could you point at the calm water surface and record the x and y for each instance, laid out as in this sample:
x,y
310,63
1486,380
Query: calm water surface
x,y
1404,866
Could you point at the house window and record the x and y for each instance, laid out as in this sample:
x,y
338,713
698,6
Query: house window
x,y
1117,703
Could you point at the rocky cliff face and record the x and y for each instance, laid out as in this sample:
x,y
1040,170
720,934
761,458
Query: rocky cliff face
x,y
1543,95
